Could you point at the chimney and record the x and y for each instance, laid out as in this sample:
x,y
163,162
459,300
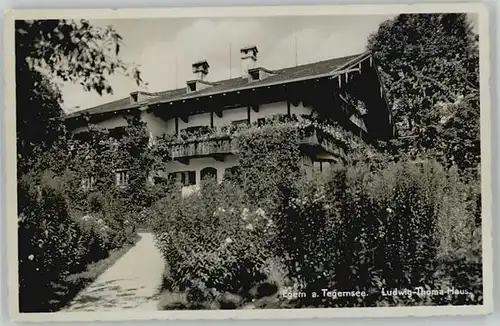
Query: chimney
x,y
200,70
248,59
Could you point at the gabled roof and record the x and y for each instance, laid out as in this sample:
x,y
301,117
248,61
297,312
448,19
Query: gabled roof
x,y
314,70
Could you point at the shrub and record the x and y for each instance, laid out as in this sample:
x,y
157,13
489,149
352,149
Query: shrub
x,y
53,243
214,242
302,233
401,227
372,224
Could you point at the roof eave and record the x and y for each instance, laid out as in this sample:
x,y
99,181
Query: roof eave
x,y
337,71
78,114
332,73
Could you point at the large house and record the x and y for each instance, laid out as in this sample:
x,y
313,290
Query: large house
x,y
346,89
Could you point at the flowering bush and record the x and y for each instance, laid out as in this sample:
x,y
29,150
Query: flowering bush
x,y
52,245
303,232
403,227
55,242
213,242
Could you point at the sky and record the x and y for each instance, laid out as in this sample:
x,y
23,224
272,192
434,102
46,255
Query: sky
x,y
165,48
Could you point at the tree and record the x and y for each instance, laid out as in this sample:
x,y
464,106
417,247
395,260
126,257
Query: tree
x,y
40,124
430,67
51,244
48,50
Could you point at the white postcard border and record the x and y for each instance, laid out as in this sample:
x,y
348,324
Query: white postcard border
x,y
258,11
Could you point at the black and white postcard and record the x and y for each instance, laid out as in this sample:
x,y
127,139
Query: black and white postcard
x,y
248,162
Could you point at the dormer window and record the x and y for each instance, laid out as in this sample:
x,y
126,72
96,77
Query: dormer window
x,y
259,73
191,86
200,72
140,96
254,75
197,85
134,97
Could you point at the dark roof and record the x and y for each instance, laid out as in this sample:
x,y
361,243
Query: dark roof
x,y
261,68
106,107
319,69
123,104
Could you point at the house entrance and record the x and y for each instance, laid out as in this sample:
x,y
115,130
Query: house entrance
x,y
208,172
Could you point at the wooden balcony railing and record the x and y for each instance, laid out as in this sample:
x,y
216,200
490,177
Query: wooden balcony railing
x,y
227,145
203,147
321,144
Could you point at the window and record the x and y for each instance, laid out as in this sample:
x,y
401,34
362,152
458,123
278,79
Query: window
x,y
88,183
326,167
306,161
190,177
240,122
174,177
191,86
278,117
322,167
254,75
317,166
208,173
121,178
195,131
186,178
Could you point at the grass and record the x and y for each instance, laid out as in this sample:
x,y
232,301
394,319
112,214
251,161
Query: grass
x,y
68,288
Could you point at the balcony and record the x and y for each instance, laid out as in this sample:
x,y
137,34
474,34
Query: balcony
x,y
313,143
316,145
217,148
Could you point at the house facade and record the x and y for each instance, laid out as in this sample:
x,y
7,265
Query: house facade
x,y
346,91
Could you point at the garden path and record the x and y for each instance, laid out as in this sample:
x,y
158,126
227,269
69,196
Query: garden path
x,y
131,283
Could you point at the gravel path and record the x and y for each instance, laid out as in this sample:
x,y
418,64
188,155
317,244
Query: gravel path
x,y
131,283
